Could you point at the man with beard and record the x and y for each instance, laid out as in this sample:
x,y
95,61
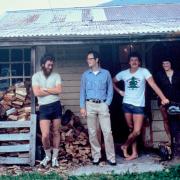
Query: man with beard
x,y
134,100
95,97
46,86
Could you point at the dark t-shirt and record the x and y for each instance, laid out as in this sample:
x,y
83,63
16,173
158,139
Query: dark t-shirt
x,y
170,89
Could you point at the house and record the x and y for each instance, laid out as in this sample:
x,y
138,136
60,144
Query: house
x,y
153,30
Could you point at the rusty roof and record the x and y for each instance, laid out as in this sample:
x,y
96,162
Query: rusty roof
x,y
93,21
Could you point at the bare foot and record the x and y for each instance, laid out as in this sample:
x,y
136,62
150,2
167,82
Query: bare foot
x,y
125,153
133,156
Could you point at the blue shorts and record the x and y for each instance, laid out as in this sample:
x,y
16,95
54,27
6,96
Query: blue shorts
x,y
129,108
50,111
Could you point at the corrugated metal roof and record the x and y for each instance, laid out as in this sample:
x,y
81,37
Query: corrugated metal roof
x,y
120,20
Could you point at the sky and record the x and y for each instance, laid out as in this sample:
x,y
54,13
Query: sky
x,y
6,5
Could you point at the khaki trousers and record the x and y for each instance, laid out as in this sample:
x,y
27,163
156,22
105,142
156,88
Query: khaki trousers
x,y
100,112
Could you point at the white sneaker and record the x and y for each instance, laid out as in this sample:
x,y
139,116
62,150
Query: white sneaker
x,y
45,161
55,162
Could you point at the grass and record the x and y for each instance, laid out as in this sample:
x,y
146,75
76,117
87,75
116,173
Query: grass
x,y
172,173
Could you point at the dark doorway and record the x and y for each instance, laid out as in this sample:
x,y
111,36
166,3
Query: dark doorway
x,y
110,61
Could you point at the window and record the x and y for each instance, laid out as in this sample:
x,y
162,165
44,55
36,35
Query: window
x,y
14,66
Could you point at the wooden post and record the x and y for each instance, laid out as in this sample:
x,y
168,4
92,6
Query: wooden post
x,y
33,113
32,140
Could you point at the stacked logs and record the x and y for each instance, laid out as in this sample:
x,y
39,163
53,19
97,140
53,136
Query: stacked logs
x,y
74,146
15,103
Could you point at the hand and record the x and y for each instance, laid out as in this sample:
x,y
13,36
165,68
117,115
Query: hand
x,y
121,93
165,101
83,112
45,89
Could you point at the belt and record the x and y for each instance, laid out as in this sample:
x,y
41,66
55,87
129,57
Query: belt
x,y
98,101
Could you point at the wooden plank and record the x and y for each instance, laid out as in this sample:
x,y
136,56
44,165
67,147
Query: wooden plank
x,y
154,105
71,89
14,124
160,136
156,115
71,83
70,102
71,77
64,70
15,148
15,137
70,95
33,139
14,160
74,108
157,126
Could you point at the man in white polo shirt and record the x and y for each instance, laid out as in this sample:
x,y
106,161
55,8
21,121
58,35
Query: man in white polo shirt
x,y
134,100
46,86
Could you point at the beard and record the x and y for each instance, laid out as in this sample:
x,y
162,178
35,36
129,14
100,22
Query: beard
x,y
46,72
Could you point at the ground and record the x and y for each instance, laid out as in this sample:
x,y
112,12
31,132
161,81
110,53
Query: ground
x,y
145,163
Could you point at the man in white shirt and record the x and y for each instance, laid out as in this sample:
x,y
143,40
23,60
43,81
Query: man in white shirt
x,y
46,86
134,100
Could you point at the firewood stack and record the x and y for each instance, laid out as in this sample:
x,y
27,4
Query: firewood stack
x,y
74,146
15,103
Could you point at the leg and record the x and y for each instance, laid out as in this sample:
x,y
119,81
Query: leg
x,y
45,127
56,132
92,130
104,120
138,123
166,123
129,121
56,141
98,131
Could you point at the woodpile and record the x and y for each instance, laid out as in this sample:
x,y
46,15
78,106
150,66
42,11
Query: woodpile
x,y
15,103
74,147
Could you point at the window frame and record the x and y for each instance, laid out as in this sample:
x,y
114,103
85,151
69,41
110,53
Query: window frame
x,y
10,62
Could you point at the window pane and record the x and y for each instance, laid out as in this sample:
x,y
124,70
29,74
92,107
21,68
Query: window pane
x,y
27,68
4,55
4,70
16,80
27,55
17,69
16,55
4,84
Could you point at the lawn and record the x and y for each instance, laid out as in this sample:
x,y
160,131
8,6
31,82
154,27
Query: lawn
x,y
172,173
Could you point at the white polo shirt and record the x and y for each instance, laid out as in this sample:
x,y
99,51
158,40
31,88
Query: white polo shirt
x,y
134,85
39,79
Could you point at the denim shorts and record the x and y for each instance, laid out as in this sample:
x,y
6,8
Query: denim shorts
x,y
128,108
50,111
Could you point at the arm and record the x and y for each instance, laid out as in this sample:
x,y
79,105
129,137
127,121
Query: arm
x,y
116,88
83,97
157,90
39,92
109,90
54,91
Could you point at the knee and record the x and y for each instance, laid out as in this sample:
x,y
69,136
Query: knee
x,y
56,132
45,136
136,133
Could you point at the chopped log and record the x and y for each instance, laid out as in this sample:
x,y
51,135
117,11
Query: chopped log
x,y
19,103
21,91
13,117
21,98
10,111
